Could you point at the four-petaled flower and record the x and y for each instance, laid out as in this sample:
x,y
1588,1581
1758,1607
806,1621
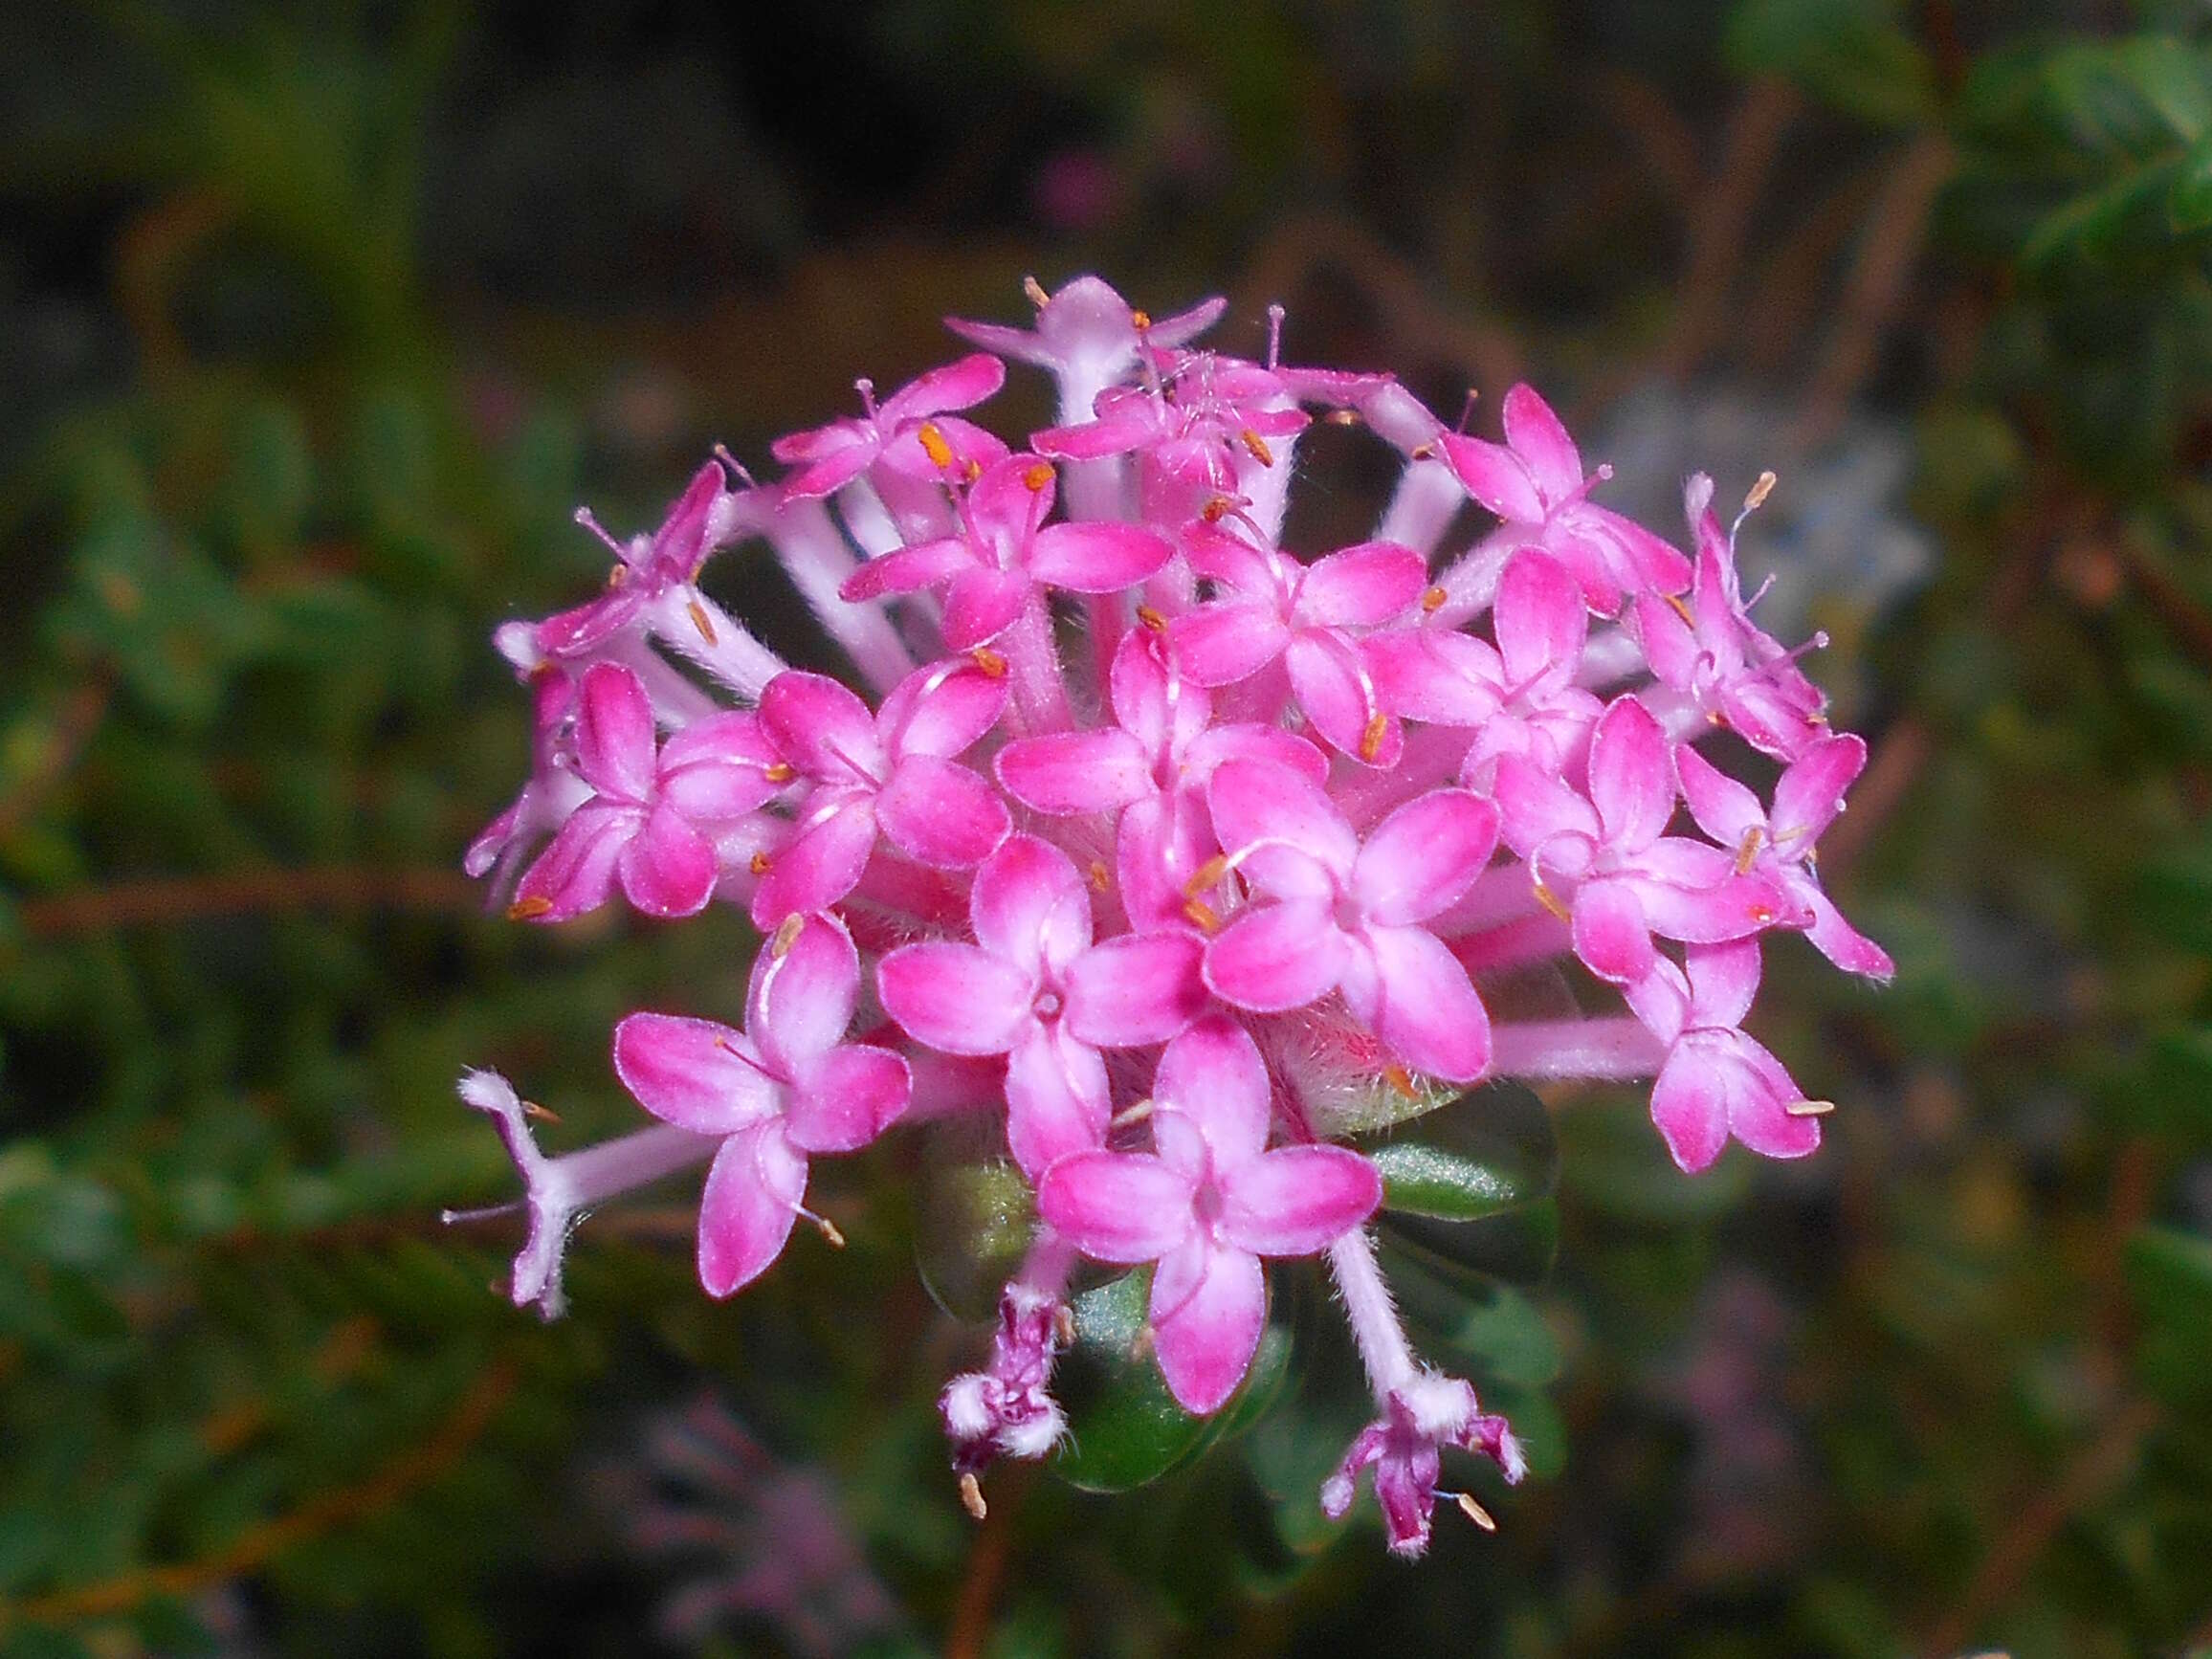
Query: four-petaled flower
x,y
1206,1203
831,456
651,574
1404,1446
787,1086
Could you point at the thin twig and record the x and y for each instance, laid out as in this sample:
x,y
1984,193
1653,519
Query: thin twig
x,y
1720,225
163,900
987,1567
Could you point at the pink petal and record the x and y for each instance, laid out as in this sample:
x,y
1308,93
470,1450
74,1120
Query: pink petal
x,y
1730,908
1329,674
850,1095
939,813
824,730
576,871
1435,675
752,1196
1413,993
1424,856
1721,807
821,864
1057,1099
715,770
1223,641
693,1074
1690,1105
669,868
1135,990
1220,556
1159,844
955,998
961,385
1116,1208
1611,934
909,569
1159,709
1070,772
1208,1307
1252,801
1843,944
1759,1100
1494,475
835,467
1536,807
813,444
800,998
1655,562
1723,981
1631,775
942,710
1540,619
1811,791
1277,957
1542,444
1669,645
982,604
1029,907
1213,1076
1361,587
1297,1201
615,746
1266,745
1096,557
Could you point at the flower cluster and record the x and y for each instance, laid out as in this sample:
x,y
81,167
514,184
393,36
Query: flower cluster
x,y
1154,838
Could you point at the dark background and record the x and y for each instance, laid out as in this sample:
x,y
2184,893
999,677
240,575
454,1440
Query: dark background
x,y
316,323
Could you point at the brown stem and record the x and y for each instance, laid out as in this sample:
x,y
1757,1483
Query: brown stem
x,y
161,900
1721,225
987,1567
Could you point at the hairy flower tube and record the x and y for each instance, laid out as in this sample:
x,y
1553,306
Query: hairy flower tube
x,y
1153,840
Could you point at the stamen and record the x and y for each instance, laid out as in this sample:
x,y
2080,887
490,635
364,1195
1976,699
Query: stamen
x,y
778,771
933,443
758,864
617,577
1036,477
988,662
973,471
1809,1108
1064,1325
1371,739
1432,601
543,1114
1201,914
787,934
1747,854
737,468
1258,445
1474,1511
1135,1114
1550,900
1759,492
865,387
1216,509
529,909
1342,417
585,518
827,1228
1100,877
1275,315
1467,409
1140,321
1038,298
1421,453
1681,609
1207,875
700,621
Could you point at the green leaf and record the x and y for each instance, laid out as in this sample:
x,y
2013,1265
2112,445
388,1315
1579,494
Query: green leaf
x,y
1852,54
975,1224
2189,198
1124,1428
1470,1190
2170,1273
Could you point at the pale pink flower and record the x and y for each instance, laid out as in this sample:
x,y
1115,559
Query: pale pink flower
x,y
831,456
1088,337
1206,1203
651,573
1404,1448
787,1086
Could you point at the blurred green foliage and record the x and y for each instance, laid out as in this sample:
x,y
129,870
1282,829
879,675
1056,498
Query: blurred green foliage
x,y
296,427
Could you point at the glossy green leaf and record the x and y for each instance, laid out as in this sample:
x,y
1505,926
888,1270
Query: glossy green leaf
x,y
1124,1428
1492,1151
975,1223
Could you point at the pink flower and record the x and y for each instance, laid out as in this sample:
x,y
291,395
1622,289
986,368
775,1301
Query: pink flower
x,y
891,771
1533,482
1151,768
1713,655
1005,555
1403,1446
1716,1081
1307,614
787,1086
651,573
553,792
1807,800
1206,1203
651,822
832,456
1624,878
1348,915
1035,989
1087,335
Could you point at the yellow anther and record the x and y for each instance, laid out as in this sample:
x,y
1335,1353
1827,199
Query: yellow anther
x,y
1550,900
616,577
933,443
1140,321
1747,854
1760,491
1036,477
829,1232
1258,445
1100,877
1433,600
1038,298
1216,509
1201,914
543,1114
1151,619
787,934
989,662
1421,453
529,909
973,471
971,1490
1206,875
1371,739
1809,1108
758,864
780,772
1342,417
700,621
1475,1513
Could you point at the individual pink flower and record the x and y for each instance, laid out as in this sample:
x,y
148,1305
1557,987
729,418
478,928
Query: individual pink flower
x,y
553,792
1206,1204
1348,917
1534,482
1310,616
1150,767
1088,336
651,822
1716,1081
1035,989
1403,1446
891,771
1005,555
651,573
1712,655
1806,799
831,456
1621,877
787,1086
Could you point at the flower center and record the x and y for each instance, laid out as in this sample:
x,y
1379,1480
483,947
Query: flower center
x,y
1047,1006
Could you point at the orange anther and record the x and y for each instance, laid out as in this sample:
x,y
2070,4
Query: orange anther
x,y
529,909
1258,445
932,436
1371,739
758,864
1036,477
1151,619
787,934
1201,914
1140,321
993,665
700,621
1433,600
780,772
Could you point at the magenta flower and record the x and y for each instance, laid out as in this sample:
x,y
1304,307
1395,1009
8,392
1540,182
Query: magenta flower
x,y
1534,482
651,573
787,1086
553,792
1005,555
1206,1203
891,771
831,456
1609,861
651,822
1718,660
1716,1081
1404,1448
1088,336
1309,615
1151,768
1035,989
1807,800
1348,917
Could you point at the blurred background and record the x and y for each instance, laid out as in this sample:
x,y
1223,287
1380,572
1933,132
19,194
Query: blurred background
x,y
316,323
